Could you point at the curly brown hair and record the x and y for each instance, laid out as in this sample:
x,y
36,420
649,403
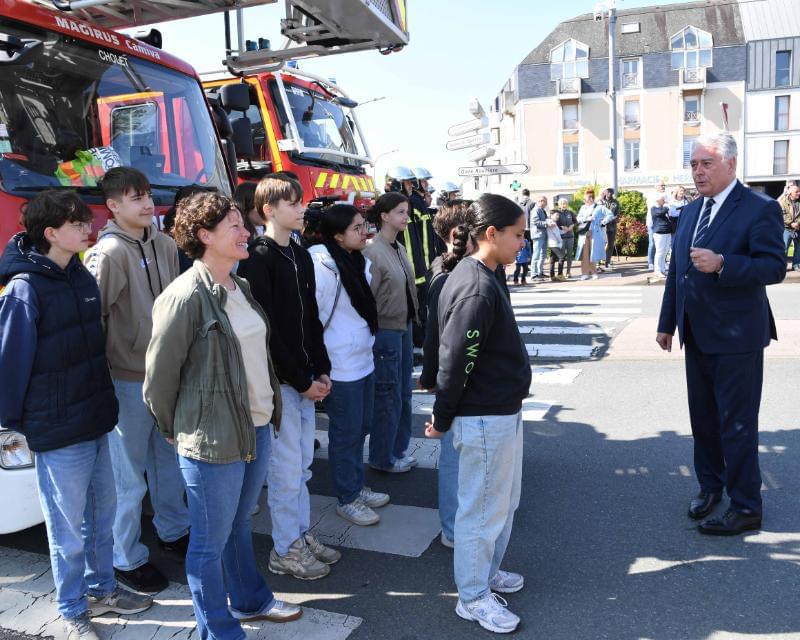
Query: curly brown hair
x,y
199,211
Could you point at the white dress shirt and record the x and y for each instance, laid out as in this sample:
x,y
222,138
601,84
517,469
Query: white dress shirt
x,y
719,200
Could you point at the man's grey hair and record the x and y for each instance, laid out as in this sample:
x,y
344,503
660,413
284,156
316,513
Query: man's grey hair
x,y
564,200
723,143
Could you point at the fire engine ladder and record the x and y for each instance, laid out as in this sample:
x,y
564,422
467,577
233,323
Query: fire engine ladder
x,y
312,27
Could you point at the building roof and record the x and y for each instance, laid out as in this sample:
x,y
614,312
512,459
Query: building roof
x,y
657,25
767,19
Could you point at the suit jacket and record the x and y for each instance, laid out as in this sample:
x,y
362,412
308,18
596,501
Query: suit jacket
x,y
729,312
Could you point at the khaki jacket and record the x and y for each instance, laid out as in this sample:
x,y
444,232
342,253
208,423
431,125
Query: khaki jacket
x,y
194,384
791,211
131,273
391,274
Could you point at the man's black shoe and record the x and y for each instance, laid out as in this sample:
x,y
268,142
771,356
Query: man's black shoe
x,y
731,523
703,504
145,579
178,546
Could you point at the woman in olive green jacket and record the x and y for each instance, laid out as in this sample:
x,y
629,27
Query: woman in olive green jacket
x,y
210,385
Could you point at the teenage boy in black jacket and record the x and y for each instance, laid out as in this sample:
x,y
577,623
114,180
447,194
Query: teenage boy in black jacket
x,y
281,277
57,392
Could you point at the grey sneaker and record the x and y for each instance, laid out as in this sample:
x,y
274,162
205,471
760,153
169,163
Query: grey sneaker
x,y
358,513
80,628
298,562
280,611
119,601
373,499
506,582
321,552
491,612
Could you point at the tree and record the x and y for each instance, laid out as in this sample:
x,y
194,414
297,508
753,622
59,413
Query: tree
x,y
632,203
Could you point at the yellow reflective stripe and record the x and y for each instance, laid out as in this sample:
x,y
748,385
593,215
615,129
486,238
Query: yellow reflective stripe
x,y
334,181
371,184
425,251
420,280
409,250
362,183
346,181
321,179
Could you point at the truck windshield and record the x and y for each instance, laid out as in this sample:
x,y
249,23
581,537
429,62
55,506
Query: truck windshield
x,y
323,124
69,111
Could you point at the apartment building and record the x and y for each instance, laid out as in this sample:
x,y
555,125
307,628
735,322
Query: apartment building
x,y
680,71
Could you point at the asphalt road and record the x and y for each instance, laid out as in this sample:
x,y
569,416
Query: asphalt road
x,y
601,535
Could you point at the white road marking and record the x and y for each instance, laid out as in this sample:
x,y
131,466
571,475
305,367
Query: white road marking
x,y
425,450
564,330
576,310
403,530
553,375
27,606
560,350
569,317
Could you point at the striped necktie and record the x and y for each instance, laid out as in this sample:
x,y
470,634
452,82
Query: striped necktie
x,y
702,225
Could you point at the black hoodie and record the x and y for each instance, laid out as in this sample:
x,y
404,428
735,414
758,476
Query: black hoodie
x,y
282,282
484,368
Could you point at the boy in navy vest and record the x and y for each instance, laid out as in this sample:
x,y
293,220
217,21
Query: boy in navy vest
x,y
57,392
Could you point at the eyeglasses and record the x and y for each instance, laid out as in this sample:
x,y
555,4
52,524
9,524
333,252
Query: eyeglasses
x,y
81,226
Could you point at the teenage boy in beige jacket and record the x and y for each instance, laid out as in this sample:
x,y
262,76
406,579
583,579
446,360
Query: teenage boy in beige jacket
x,y
133,263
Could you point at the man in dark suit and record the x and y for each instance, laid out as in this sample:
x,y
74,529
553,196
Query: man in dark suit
x,y
728,247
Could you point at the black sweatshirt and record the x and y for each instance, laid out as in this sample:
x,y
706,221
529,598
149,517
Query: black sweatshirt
x,y
484,368
437,276
282,282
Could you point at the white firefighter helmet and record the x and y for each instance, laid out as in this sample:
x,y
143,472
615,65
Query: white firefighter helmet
x,y
449,187
421,173
400,173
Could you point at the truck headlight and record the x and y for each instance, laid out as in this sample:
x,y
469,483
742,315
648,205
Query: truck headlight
x,y
14,451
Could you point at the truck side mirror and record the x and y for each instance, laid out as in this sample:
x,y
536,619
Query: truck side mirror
x,y
235,97
243,139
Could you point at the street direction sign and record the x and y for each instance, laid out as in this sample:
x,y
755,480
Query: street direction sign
x,y
481,153
492,170
470,141
468,127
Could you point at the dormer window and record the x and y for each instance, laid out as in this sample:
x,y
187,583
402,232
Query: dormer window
x,y
691,49
569,60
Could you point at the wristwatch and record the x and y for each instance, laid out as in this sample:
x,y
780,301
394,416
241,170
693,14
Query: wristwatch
x,y
722,264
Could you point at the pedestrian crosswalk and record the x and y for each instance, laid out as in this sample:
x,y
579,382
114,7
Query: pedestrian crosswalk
x,y
560,326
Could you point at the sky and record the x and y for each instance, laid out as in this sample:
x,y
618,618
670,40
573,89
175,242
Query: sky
x,y
457,51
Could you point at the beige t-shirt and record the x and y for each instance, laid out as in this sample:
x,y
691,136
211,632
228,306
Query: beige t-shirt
x,y
251,332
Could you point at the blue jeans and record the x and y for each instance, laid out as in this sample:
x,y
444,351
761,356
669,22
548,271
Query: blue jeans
x,y
220,561
448,485
489,480
788,241
349,407
539,249
290,458
76,491
138,448
391,423
651,247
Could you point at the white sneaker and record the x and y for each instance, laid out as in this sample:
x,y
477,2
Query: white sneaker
x,y
398,466
373,499
358,513
506,582
446,542
411,461
584,277
595,277
280,611
491,612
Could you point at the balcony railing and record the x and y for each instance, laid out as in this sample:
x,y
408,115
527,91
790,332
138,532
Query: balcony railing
x,y
693,78
630,80
568,88
691,116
